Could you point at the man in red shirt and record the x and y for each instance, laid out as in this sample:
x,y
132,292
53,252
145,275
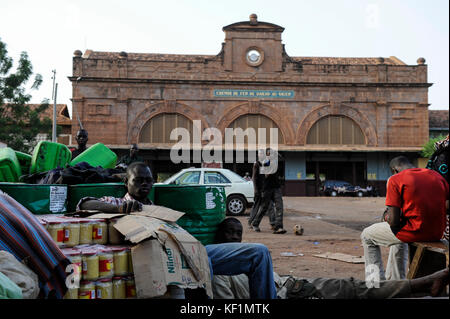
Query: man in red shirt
x,y
416,211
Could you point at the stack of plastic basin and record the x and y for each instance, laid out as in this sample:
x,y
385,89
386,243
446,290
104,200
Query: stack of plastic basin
x,y
97,155
49,155
9,165
204,207
24,162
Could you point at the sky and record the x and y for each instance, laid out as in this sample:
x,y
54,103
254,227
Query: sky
x,y
50,31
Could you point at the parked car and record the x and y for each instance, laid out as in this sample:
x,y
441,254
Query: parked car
x,y
335,188
239,192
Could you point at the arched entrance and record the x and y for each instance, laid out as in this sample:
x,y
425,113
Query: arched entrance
x,y
332,131
255,122
158,128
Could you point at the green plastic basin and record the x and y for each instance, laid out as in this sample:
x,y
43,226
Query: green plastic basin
x,y
38,199
97,155
49,155
204,207
9,165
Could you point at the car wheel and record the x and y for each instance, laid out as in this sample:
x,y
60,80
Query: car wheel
x,y
333,193
236,205
360,194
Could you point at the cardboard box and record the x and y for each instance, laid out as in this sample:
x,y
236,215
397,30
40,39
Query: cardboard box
x,y
165,254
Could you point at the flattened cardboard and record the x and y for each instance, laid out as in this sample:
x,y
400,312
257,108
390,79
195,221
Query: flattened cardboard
x,y
105,216
172,256
160,212
167,267
342,257
137,228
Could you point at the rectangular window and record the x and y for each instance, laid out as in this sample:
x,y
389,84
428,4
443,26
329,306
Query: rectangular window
x,y
215,178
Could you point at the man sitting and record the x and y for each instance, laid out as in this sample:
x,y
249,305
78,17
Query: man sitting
x,y
139,181
415,200
236,287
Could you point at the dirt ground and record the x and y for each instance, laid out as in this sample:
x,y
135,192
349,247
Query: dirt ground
x,y
330,225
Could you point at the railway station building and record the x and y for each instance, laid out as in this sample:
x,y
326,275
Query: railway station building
x,y
340,118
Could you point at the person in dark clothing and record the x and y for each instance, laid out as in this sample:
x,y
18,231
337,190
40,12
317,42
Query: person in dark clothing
x,y
258,180
271,192
132,157
81,138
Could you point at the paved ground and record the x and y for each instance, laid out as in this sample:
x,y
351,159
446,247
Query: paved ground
x,y
330,225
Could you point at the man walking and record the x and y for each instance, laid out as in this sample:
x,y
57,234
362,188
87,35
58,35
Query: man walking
x,y
271,192
258,180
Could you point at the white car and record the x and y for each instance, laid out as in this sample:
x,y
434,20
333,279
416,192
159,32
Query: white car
x,y
239,192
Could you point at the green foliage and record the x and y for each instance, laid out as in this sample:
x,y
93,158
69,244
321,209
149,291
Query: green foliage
x,y
19,123
428,147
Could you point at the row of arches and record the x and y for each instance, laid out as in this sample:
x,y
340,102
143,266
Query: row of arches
x,y
323,126
338,130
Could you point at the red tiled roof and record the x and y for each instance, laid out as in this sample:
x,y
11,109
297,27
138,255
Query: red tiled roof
x,y
89,54
148,56
347,61
62,113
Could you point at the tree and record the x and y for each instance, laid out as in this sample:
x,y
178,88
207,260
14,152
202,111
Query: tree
x,y
428,147
19,123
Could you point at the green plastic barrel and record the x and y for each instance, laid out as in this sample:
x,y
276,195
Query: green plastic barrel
x,y
24,162
77,192
204,207
49,155
38,198
97,155
9,165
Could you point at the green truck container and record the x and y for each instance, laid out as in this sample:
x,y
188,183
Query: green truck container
x,y
38,198
77,192
24,162
97,155
9,165
204,207
49,155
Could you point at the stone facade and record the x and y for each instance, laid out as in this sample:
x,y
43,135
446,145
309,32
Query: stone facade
x,y
116,93
438,123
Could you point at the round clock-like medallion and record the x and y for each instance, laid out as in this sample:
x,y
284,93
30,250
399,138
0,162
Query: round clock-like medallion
x,y
254,57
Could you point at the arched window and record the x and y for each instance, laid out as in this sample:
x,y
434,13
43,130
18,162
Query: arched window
x,y
256,121
335,130
158,128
